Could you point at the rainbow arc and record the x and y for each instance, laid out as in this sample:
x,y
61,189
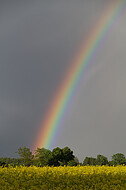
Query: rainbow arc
x,y
54,116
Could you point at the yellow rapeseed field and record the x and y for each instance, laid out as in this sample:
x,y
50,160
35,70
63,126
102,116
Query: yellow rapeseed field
x,y
48,178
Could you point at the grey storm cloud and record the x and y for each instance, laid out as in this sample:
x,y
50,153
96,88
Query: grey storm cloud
x,y
38,40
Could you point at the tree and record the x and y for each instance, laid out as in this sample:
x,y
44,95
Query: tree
x,y
26,155
67,155
118,159
112,163
90,161
101,160
56,158
57,154
44,157
76,160
72,163
12,161
86,161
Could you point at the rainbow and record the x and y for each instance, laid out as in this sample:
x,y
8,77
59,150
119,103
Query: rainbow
x,y
58,107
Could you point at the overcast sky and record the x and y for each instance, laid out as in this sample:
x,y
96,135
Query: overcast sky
x,y
38,40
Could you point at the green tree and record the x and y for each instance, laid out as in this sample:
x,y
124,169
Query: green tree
x,y
102,160
112,163
67,155
12,161
86,161
26,155
76,160
72,163
57,154
118,159
43,157
90,161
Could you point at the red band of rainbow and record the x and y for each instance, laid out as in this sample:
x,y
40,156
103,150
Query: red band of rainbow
x,y
53,117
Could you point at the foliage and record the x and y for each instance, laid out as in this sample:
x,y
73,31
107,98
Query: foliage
x,y
72,163
57,154
76,160
44,157
101,160
90,161
67,155
112,163
12,161
80,177
59,157
26,155
118,159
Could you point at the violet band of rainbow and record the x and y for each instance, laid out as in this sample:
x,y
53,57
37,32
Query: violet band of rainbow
x,y
54,115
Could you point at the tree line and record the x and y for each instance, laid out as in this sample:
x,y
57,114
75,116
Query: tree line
x,y
58,157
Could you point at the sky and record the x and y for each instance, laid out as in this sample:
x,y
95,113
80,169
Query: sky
x,y
38,41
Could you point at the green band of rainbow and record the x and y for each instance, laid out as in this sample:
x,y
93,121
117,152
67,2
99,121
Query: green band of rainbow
x,y
59,104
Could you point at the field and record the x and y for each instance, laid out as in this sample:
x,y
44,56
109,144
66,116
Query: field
x,y
80,177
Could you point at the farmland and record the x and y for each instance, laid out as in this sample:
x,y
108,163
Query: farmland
x,y
80,177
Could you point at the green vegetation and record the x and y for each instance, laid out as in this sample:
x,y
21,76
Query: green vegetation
x,y
58,157
63,178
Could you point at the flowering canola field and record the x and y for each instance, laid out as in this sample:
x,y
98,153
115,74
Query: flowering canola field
x,y
48,178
